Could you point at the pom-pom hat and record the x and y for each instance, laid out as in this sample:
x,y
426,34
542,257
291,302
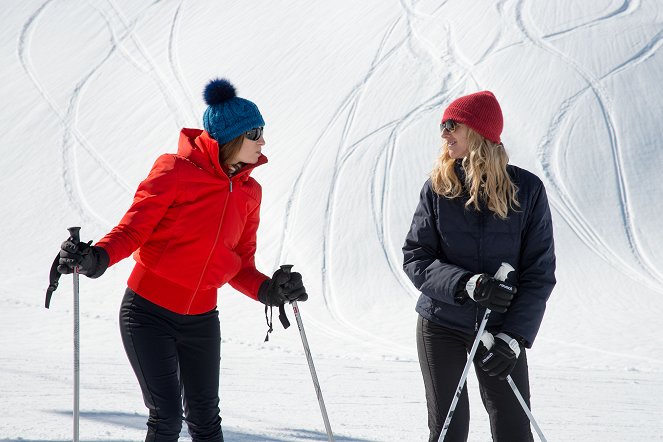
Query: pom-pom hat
x,y
228,116
480,111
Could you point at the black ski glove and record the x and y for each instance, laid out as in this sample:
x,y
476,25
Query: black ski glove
x,y
499,359
281,288
92,261
491,293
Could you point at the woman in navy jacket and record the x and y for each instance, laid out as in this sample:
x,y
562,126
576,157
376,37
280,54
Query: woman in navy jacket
x,y
475,212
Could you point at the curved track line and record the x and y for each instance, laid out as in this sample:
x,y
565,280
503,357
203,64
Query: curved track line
x,y
625,209
347,107
167,92
67,121
173,58
328,238
626,8
290,210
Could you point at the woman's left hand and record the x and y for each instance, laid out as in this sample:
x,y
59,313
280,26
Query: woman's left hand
x,y
282,287
501,358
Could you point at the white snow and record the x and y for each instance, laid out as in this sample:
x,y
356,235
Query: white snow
x,y
352,92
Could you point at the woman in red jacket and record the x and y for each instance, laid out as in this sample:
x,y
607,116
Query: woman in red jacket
x,y
191,228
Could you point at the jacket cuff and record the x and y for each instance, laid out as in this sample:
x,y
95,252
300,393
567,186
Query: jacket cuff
x,y
262,291
102,261
461,295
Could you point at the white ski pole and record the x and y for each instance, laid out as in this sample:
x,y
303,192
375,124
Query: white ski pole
x,y
488,342
526,408
309,358
501,274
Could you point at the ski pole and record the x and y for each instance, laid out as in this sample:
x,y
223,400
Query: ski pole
x,y
501,274
54,277
75,235
309,358
488,342
526,408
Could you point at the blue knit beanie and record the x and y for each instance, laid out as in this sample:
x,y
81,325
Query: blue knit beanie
x,y
228,116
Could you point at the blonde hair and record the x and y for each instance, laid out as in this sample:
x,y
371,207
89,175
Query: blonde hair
x,y
486,178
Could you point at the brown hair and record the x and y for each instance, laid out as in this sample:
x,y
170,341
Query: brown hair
x,y
229,150
486,178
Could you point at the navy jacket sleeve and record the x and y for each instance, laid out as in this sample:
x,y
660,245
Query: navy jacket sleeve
x,y
536,275
423,259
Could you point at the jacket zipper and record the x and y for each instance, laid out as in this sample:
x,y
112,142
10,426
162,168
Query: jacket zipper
x,y
216,240
481,228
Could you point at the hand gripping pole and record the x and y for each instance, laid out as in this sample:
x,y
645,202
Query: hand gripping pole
x,y
501,274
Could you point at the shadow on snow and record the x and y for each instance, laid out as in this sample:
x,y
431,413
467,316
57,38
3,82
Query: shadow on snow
x,y
137,421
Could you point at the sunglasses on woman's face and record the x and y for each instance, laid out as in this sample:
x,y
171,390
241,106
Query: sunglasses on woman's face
x,y
449,126
254,134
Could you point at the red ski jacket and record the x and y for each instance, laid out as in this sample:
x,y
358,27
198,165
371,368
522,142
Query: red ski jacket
x,y
192,229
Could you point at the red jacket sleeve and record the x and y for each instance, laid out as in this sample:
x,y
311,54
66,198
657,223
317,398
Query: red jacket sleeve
x,y
153,197
249,279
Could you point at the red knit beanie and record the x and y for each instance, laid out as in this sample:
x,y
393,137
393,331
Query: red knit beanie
x,y
480,111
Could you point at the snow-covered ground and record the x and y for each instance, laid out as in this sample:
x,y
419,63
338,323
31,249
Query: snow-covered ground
x,y
352,92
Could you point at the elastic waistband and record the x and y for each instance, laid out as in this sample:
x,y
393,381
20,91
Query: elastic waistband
x,y
170,295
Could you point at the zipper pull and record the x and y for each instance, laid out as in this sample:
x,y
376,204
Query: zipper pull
x,y
231,185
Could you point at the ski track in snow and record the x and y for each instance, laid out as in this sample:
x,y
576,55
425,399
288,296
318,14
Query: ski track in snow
x,y
548,147
175,66
68,120
72,136
583,394
344,115
626,8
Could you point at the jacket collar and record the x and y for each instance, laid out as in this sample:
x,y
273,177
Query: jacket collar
x,y
201,149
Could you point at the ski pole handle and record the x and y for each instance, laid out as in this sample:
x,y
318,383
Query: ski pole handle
x,y
75,233
287,268
503,272
54,275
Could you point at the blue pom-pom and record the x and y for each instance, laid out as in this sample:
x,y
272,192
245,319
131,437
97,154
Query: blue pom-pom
x,y
219,91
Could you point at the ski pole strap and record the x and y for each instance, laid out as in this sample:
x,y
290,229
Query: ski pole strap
x,y
53,281
282,317
269,322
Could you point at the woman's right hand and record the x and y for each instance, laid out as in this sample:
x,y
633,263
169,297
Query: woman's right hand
x,y
91,261
490,292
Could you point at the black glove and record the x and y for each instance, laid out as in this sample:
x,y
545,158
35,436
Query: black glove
x,y
500,359
283,287
491,293
92,261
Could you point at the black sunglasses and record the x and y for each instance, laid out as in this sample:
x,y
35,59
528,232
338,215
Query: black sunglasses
x,y
449,126
254,134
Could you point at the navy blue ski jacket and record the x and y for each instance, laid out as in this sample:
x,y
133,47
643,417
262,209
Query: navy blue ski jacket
x,y
447,241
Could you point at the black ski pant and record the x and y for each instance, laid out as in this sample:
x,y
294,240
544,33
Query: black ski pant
x,y
176,359
442,354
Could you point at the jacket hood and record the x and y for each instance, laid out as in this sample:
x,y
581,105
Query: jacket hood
x,y
200,148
